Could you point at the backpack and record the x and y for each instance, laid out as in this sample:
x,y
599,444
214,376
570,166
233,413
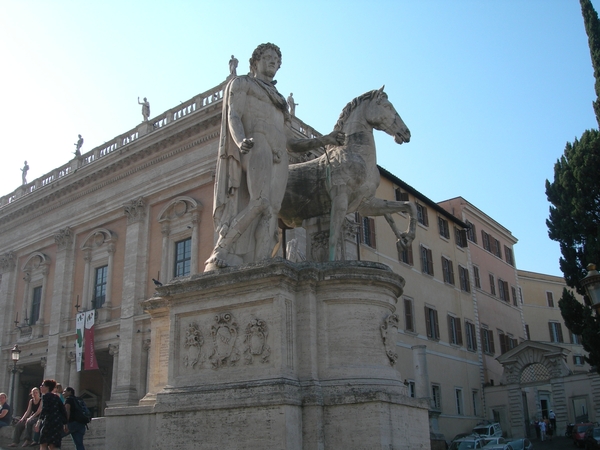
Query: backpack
x,y
81,413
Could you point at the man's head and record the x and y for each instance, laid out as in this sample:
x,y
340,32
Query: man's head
x,y
258,53
48,384
2,398
69,392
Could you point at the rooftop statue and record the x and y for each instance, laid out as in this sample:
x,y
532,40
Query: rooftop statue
x,y
252,164
233,63
78,146
24,173
292,105
345,178
145,108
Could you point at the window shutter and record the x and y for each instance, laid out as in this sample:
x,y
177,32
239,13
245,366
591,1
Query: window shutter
x,y
559,332
428,321
451,272
373,241
409,254
429,262
491,337
458,331
450,327
408,315
551,330
437,324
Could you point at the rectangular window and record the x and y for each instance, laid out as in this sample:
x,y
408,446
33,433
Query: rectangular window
x,y
495,243
422,215
367,232
183,258
550,299
401,196
471,232
492,285
431,323
475,399
99,296
487,341
508,255
461,237
477,277
485,238
448,271
555,329
409,319
512,342
36,301
575,338
578,360
521,295
406,256
471,338
459,401
436,397
465,284
503,342
412,389
503,289
513,291
454,330
426,261
443,227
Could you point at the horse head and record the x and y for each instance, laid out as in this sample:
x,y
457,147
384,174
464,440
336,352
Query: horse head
x,y
382,116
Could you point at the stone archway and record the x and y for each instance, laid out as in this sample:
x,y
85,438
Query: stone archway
x,y
529,363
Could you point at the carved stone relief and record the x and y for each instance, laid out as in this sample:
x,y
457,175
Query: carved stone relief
x,y
192,345
64,238
224,333
135,210
389,331
7,262
256,342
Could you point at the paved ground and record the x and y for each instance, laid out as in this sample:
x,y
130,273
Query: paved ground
x,y
556,443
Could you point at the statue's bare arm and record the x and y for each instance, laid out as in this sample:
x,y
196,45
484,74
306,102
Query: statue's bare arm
x,y
303,145
236,106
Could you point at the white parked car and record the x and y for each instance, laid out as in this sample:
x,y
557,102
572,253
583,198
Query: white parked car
x,y
489,430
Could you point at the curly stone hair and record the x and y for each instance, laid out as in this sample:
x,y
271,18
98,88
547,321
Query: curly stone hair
x,y
258,52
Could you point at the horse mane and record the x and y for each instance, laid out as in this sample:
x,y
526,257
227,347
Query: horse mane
x,y
351,106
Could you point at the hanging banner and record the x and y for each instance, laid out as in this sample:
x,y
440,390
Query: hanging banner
x,y
79,325
90,355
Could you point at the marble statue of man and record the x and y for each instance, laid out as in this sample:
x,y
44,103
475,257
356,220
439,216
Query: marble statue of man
x,y
252,165
24,174
233,63
292,105
78,146
145,108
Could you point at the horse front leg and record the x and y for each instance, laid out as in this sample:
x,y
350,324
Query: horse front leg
x,y
379,207
339,209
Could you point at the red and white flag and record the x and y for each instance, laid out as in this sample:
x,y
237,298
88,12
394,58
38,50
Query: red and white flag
x,y
90,355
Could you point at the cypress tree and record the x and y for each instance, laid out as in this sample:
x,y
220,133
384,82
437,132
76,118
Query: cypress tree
x,y
592,28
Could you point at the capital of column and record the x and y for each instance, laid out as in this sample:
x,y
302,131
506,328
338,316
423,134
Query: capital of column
x,y
135,210
7,262
113,349
64,238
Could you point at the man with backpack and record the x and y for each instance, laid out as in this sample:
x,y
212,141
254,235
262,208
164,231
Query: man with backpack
x,y
77,417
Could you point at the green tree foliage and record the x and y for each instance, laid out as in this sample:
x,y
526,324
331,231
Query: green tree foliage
x,y
575,207
580,320
592,28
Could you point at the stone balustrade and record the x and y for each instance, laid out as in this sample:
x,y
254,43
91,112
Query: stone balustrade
x,y
170,116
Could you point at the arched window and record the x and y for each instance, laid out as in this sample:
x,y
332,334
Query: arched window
x,y
98,252
179,225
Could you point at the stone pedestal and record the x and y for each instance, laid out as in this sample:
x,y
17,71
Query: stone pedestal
x,y
275,355
317,239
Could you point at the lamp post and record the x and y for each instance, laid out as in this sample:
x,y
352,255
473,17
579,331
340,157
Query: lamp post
x,y
591,284
15,353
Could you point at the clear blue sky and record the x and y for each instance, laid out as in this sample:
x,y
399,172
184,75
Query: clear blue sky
x,y
491,90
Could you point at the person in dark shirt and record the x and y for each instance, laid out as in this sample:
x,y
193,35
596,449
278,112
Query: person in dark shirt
x,y
76,429
5,411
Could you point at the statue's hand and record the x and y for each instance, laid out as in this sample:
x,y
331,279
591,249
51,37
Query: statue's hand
x,y
247,144
334,138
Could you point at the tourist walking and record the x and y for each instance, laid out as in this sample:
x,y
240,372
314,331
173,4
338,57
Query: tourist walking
x,y
74,427
52,418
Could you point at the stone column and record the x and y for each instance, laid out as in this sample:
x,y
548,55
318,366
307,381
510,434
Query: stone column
x,y
595,383
113,350
164,266
86,301
515,410
558,370
14,396
421,371
127,381
43,363
7,304
73,374
147,344
194,244
61,303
